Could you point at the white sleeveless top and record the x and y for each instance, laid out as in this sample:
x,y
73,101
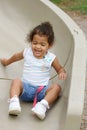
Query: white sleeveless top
x,y
37,71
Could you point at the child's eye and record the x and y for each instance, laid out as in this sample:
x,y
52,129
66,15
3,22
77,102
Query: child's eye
x,y
34,43
42,44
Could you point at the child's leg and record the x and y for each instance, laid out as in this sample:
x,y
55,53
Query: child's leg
x,y
16,88
15,91
52,93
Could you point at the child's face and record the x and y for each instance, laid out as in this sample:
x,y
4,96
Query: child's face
x,y
39,46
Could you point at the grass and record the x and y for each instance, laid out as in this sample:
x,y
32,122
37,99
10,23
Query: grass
x,y
72,5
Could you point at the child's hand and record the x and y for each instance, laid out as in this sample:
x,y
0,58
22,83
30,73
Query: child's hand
x,y
62,75
3,61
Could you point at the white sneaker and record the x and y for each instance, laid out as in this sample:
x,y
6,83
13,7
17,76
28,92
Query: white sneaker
x,y
14,106
39,110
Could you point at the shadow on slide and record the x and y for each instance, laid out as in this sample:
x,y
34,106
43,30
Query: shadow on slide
x,y
17,17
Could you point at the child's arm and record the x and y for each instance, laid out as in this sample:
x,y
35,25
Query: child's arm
x,y
59,69
14,58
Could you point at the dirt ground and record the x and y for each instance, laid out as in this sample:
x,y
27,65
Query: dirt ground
x,y
81,21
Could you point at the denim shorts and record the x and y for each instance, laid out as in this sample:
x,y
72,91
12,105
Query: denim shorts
x,y
29,92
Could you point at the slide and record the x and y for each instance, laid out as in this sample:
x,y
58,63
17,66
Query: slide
x,y
17,18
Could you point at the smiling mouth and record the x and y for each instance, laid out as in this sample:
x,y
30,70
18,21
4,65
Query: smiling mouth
x,y
37,52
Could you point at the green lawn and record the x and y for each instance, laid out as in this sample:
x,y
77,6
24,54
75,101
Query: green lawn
x,y
72,5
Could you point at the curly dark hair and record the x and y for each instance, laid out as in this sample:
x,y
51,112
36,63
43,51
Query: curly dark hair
x,y
44,29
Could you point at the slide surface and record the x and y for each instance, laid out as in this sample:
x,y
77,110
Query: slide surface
x,y
17,17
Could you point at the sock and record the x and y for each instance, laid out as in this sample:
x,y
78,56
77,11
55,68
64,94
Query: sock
x,y
15,97
45,103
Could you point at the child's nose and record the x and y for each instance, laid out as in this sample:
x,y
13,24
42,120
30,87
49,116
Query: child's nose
x,y
38,45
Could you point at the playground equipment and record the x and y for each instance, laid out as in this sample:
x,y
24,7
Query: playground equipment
x,y
17,17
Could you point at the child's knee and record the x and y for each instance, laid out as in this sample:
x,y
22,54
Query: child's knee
x,y
16,81
57,88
